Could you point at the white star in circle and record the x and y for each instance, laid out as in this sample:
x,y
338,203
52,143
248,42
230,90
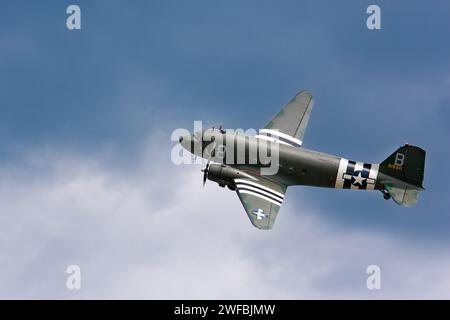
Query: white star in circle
x,y
358,179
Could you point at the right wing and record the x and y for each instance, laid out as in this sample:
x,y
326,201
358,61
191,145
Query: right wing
x,y
261,199
291,121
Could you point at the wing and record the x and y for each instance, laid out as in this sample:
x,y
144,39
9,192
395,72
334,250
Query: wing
x,y
261,199
290,123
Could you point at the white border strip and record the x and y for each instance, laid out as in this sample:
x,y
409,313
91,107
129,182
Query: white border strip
x,y
342,168
373,174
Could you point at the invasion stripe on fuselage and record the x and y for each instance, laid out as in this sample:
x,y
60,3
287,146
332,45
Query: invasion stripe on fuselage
x,y
356,175
366,170
350,168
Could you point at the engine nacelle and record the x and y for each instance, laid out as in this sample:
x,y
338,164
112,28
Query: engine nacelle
x,y
224,175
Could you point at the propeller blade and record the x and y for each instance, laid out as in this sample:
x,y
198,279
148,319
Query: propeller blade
x,y
205,173
204,177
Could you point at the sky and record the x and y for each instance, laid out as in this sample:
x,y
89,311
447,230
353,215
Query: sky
x,y
86,176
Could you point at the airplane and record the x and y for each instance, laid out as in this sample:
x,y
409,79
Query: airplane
x,y
399,177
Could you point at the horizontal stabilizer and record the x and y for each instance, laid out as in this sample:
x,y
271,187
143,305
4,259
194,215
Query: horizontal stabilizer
x,y
404,196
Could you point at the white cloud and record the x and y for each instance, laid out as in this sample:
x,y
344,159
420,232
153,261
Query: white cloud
x,y
155,233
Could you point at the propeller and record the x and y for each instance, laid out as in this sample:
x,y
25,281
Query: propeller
x,y
205,173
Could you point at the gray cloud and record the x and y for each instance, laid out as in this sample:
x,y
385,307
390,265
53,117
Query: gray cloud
x,y
158,234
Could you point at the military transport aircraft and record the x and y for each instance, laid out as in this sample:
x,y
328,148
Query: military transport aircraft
x,y
400,176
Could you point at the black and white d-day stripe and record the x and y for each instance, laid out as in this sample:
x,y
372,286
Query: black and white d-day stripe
x,y
275,135
356,175
259,190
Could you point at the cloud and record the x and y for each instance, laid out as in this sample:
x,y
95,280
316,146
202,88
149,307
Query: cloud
x,y
152,232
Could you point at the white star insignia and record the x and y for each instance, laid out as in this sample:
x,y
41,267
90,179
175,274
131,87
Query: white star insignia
x,y
358,179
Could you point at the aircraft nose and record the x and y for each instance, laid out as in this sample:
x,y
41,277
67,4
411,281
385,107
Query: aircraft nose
x,y
189,143
185,141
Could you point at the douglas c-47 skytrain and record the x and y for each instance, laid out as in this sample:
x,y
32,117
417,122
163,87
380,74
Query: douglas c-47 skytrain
x,y
238,164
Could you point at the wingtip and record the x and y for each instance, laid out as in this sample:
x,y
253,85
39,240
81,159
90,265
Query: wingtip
x,y
304,92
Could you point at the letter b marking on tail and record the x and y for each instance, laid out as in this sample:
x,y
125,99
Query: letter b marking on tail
x,y
399,159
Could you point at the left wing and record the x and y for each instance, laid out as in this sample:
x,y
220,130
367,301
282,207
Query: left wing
x,y
289,125
261,199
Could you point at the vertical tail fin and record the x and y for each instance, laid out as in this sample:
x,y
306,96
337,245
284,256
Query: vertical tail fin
x,y
406,165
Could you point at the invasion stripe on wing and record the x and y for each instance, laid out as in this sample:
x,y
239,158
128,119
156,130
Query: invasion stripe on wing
x,y
259,190
259,136
278,203
263,187
281,136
